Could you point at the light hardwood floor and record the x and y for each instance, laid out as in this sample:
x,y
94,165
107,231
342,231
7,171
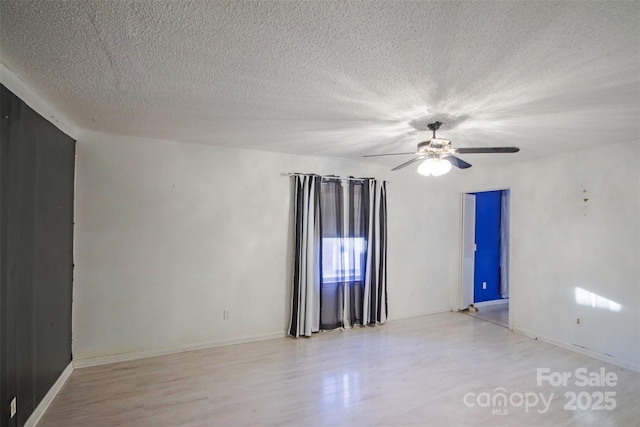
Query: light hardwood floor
x,y
410,372
498,314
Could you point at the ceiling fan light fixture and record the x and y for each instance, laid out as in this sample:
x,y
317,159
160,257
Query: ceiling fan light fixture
x,y
426,168
434,166
441,167
441,155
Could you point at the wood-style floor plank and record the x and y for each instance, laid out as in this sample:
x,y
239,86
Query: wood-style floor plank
x,y
498,314
410,372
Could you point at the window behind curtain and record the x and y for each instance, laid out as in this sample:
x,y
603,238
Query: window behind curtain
x,y
344,253
342,259
343,231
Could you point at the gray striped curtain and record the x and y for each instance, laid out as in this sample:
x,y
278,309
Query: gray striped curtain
x,y
339,278
375,291
307,271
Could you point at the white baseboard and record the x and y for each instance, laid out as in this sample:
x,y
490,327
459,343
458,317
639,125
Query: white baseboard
x,y
48,398
572,347
422,313
125,357
493,302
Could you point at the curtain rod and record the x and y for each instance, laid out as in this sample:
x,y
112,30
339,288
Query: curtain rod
x,y
327,176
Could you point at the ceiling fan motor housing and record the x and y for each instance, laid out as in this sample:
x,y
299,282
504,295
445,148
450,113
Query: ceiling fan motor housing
x,y
436,146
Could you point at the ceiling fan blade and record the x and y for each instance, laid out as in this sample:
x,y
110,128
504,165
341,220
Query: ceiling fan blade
x,y
459,163
486,150
407,163
389,154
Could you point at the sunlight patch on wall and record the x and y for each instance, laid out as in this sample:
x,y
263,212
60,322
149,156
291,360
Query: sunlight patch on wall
x,y
589,299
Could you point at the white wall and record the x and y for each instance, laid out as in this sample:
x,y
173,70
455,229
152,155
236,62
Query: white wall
x,y
423,240
561,242
170,234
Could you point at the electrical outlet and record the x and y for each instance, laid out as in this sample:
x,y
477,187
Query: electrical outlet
x,y
484,285
13,407
578,321
226,315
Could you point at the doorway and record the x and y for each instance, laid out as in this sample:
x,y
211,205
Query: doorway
x,y
485,255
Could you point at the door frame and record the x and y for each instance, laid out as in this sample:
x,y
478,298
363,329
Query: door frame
x,y
459,287
467,251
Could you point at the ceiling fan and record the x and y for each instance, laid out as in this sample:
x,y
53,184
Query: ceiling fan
x,y
439,154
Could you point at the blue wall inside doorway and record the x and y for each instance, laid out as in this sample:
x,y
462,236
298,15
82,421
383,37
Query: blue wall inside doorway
x,y
487,258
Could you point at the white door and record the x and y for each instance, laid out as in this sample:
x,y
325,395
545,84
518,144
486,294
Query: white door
x,y
468,248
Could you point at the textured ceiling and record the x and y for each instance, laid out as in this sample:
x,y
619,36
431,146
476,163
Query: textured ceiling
x,y
340,78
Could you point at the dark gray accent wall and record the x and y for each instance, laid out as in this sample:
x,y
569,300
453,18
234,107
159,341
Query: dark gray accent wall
x,y
37,163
